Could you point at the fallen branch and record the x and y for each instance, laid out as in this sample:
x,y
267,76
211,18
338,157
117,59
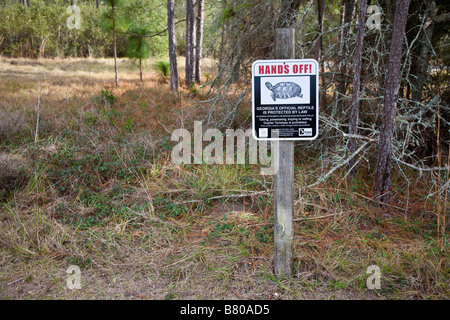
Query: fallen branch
x,y
15,281
295,220
319,217
227,196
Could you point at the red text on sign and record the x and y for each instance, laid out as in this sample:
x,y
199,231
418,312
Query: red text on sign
x,y
285,69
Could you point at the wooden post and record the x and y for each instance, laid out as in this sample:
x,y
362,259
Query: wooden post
x,y
284,178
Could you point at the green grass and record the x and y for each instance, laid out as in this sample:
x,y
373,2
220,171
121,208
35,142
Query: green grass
x,y
162,68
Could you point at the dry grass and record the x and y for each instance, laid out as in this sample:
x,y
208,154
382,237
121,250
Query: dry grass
x,y
99,191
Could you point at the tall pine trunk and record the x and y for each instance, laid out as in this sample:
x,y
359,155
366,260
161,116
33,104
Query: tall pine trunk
x,y
419,69
343,53
392,84
140,68
222,46
114,44
354,111
172,46
319,48
199,42
190,42
140,58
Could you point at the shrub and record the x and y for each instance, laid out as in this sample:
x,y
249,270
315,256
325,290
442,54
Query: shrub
x,y
41,30
163,70
107,96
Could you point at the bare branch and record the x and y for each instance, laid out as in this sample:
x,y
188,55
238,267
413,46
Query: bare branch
x,y
340,164
419,168
443,17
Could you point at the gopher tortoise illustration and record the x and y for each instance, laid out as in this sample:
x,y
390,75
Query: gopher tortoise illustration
x,y
284,90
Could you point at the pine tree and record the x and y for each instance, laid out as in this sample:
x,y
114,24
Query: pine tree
x,y
341,86
190,42
110,23
199,42
354,111
393,77
172,48
138,46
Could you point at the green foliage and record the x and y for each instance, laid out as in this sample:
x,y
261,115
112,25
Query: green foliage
x,y
193,89
138,45
107,96
41,30
221,227
230,11
79,261
163,69
168,208
106,22
139,20
264,235
117,3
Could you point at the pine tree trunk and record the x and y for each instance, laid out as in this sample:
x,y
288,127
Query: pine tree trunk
x,y
419,69
172,46
343,53
393,77
319,48
190,25
354,112
199,42
114,44
140,68
140,58
319,43
222,46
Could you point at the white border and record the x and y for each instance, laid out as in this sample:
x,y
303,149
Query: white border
x,y
317,96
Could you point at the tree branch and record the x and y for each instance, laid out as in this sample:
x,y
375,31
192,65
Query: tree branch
x,y
419,168
152,35
343,163
443,17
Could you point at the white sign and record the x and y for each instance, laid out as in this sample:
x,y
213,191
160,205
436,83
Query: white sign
x,y
285,97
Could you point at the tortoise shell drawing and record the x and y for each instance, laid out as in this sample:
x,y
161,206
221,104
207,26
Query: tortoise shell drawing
x,y
284,90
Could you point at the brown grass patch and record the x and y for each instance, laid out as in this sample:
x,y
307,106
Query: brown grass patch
x,y
99,191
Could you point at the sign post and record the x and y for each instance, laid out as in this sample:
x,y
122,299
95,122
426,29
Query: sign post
x,y
285,108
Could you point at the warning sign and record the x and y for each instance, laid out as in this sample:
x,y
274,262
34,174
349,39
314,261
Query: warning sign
x,y
285,98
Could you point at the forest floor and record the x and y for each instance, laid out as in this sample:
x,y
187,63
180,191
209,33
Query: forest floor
x,y
98,190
